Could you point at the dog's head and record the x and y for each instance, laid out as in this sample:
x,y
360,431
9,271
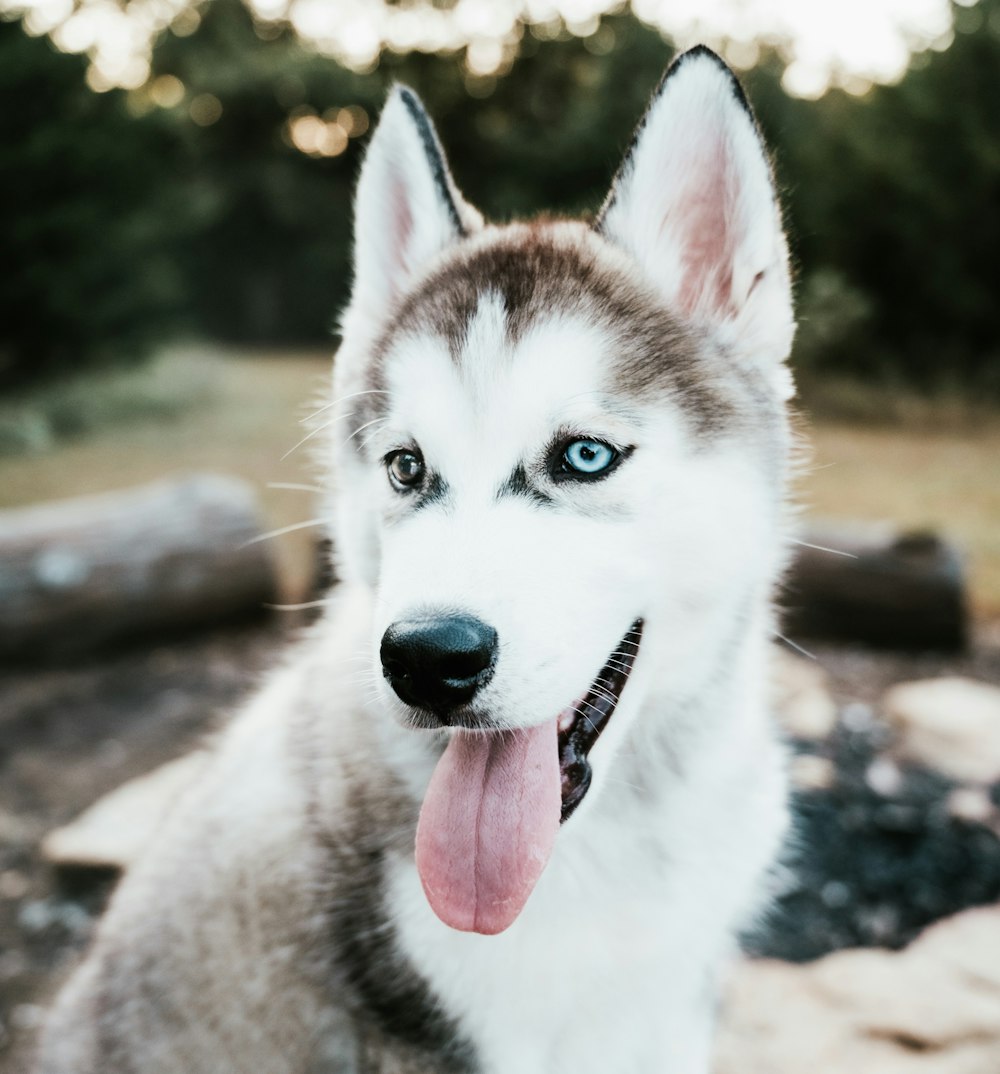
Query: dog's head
x,y
560,446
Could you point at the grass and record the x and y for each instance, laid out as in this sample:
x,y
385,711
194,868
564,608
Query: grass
x,y
33,421
208,409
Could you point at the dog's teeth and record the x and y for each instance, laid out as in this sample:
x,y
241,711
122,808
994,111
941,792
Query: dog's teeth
x,y
566,719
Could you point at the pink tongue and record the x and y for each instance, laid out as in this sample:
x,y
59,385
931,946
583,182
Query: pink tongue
x,y
488,825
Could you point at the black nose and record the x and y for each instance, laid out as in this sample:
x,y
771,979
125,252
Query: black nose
x,y
438,662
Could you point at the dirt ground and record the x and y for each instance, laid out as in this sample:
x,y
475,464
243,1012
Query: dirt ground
x,y
868,870
67,736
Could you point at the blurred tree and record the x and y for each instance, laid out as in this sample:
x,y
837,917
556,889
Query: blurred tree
x,y
894,199
87,221
552,131
231,183
270,259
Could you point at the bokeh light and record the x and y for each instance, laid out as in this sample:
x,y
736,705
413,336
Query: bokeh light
x,y
851,43
205,109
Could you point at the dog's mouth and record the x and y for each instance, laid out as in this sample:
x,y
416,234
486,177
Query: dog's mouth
x,y
496,800
580,725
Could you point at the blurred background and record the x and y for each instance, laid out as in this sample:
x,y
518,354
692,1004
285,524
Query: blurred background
x,y
175,173
175,193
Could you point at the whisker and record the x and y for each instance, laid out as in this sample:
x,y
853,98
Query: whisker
x,y
795,646
823,548
343,399
336,417
309,435
284,529
361,428
609,686
624,783
583,715
604,695
368,439
298,607
366,681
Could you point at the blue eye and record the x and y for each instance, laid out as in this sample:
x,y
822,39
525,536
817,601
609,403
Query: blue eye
x,y
587,458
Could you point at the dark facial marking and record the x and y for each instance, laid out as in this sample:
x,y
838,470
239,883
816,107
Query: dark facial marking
x,y
518,484
538,274
435,157
435,491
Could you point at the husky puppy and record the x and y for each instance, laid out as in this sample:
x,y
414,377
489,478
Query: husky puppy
x,y
506,807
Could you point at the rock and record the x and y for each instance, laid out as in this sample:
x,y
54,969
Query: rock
x,y
811,773
17,831
112,832
951,724
14,884
933,1008
973,805
801,696
884,777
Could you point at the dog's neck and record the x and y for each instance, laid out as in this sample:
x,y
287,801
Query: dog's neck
x,y
728,703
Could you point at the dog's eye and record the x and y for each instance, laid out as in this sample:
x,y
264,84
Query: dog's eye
x,y
406,468
587,458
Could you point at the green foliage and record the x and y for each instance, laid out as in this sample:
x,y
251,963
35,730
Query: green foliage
x,y
892,199
85,218
552,132
270,256
36,416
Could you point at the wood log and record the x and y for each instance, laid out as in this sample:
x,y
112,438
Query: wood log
x,y
79,574
871,584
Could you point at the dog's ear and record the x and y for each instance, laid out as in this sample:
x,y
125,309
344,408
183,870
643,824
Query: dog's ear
x,y
694,203
407,208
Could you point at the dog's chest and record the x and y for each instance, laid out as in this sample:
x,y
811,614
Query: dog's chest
x,y
579,984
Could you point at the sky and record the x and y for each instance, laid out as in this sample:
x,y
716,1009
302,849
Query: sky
x,y
828,42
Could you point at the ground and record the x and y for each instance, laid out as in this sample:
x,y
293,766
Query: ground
x,y
873,867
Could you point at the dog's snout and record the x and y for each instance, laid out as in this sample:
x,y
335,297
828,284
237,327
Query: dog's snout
x,y
438,662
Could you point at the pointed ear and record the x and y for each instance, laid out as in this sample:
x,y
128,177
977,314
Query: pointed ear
x,y
407,208
694,204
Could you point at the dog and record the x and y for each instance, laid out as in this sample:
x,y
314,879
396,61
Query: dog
x,y
509,802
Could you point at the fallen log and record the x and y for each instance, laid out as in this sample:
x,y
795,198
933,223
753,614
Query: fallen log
x,y
871,584
79,574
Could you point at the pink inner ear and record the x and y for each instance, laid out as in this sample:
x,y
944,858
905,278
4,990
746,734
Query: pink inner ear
x,y
702,220
400,234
